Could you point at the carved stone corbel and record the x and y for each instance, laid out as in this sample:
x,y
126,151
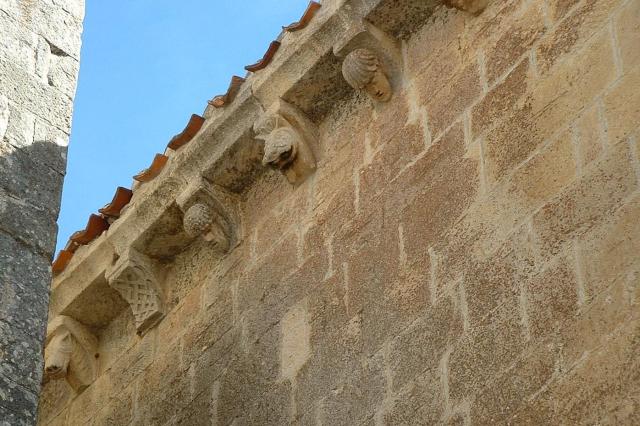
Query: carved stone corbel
x,y
474,7
70,353
135,277
209,213
372,61
289,138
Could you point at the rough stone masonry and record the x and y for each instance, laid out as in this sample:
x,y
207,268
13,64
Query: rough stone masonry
x,y
39,53
410,212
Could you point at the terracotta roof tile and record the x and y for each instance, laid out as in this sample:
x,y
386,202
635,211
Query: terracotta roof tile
x,y
307,16
234,87
266,59
193,127
95,227
147,175
61,261
120,199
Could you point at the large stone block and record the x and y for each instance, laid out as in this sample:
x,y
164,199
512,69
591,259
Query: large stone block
x,y
420,402
420,346
599,318
523,31
18,405
587,201
449,103
58,21
552,103
602,389
18,44
570,36
622,107
589,133
433,194
23,307
485,351
39,98
29,225
358,397
295,347
500,102
608,252
552,297
505,396
628,34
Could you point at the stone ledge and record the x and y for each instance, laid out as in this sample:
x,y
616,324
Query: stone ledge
x,y
224,158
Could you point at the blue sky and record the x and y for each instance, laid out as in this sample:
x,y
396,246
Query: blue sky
x,y
146,66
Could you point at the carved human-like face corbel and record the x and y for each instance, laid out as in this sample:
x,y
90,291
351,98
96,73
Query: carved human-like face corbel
x,y
70,353
201,221
363,71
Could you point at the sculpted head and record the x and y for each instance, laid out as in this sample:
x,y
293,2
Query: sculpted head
x,y
199,220
363,71
70,353
58,357
281,148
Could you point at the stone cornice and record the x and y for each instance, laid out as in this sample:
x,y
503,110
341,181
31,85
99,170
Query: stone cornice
x,y
224,158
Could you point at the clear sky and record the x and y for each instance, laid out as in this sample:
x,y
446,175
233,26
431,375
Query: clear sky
x,y
146,66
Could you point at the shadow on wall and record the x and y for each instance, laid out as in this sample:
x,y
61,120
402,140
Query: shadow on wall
x,y
31,179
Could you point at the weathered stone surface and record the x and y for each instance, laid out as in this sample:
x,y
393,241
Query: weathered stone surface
x,y
628,35
465,253
622,106
39,50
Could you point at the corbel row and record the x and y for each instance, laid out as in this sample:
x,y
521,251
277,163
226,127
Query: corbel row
x,y
371,63
71,349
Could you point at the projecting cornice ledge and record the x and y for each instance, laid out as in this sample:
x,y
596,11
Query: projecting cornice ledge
x,y
269,120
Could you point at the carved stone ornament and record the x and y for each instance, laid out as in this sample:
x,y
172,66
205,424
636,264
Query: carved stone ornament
x,y
134,277
208,214
70,353
201,220
363,71
288,137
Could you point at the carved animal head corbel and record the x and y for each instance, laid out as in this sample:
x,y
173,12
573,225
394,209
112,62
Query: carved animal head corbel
x,y
209,213
372,61
289,137
70,353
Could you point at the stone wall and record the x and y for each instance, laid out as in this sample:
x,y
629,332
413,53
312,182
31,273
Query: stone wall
x,y
39,52
466,253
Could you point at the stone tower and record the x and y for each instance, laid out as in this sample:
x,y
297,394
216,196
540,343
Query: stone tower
x,y
39,62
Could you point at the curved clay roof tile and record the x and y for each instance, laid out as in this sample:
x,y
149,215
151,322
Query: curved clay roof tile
x,y
234,87
95,227
307,16
193,127
61,262
120,199
266,59
147,175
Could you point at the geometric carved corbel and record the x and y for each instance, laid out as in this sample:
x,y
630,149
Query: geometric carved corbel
x,y
210,213
289,138
135,277
372,61
474,7
70,353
